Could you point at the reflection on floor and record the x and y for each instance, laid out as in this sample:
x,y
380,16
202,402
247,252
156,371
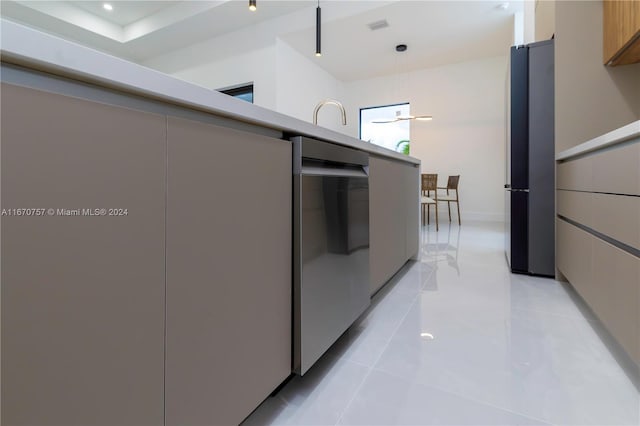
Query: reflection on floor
x,y
456,339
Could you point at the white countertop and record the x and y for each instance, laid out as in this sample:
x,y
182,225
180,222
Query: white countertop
x,y
34,49
622,134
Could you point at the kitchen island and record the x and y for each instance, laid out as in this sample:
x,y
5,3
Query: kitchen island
x,y
146,240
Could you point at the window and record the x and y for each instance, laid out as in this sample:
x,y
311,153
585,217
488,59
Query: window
x,y
390,134
244,92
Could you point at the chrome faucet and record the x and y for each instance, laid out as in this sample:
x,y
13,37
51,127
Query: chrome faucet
x,y
329,102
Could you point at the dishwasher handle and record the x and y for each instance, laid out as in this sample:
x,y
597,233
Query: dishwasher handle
x,y
326,154
345,171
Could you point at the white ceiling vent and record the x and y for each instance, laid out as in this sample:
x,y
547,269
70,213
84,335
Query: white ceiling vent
x,y
378,25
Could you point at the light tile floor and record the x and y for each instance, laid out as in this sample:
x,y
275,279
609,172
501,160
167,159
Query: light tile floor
x,y
456,339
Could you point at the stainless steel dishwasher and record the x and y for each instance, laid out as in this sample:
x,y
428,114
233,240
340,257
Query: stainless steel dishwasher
x,y
330,243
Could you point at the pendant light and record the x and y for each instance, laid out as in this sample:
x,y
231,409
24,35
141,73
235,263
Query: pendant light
x,y
252,5
399,117
318,22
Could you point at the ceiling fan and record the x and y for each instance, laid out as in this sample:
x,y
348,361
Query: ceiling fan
x,y
400,117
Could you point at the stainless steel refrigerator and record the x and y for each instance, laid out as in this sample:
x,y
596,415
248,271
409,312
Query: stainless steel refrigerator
x,y
530,174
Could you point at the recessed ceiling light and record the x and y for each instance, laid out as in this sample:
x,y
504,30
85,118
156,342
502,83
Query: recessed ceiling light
x,y
107,6
503,6
428,336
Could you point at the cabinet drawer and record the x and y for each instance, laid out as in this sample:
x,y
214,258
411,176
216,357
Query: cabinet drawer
x,y
577,206
616,293
617,216
575,174
574,257
617,171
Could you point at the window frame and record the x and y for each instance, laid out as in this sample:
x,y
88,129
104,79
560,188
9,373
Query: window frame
x,y
238,90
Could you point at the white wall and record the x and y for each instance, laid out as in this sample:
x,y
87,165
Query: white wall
x,y
239,57
467,134
591,99
529,21
301,84
257,66
545,19
284,80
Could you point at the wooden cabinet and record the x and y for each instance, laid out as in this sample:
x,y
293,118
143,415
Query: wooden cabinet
x,y
621,32
228,316
394,217
82,295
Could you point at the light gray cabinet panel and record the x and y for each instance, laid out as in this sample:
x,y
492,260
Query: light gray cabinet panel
x,y
614,171
607,278
617,216
228,272
575,205
617,294
575,174
574,257
386,219
394,217
82,296
412,205
617,170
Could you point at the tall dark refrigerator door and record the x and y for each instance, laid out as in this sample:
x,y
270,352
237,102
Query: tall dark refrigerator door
x,y
519,231
519,159
541,160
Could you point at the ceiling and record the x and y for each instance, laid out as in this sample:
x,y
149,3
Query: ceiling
x,y
123,13
436,32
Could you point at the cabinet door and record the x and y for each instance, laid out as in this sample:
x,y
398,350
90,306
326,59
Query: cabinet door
x,y
621,32
82,295
387,213
412,207
228,272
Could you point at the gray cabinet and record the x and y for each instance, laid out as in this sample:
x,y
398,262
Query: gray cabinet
x,y
82,295
394,220
412,205
598,235
228,317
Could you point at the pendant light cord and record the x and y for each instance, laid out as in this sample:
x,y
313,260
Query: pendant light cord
x,y
318,25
